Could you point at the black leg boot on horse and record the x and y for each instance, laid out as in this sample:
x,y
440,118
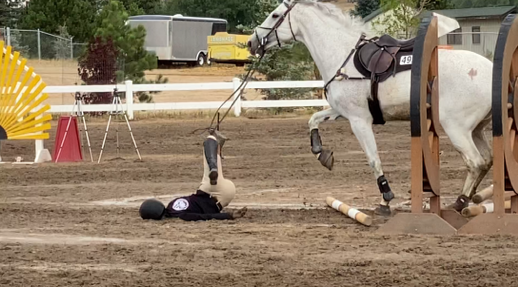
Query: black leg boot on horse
x,y
387,196
459,204
324,156
210,147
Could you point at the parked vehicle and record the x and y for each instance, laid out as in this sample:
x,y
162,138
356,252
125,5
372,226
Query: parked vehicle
x,y
228,48
178,38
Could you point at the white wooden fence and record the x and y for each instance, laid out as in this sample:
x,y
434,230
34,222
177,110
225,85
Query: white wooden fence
x,y
129,88
43,154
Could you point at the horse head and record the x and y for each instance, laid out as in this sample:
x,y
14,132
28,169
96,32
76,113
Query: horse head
x,y
276,29
281,26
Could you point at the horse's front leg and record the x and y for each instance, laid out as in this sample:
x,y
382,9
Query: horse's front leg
x,y
324,156
362,129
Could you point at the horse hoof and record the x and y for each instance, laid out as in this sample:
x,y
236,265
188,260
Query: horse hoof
x,y
461,203
383,210
388,196
327,159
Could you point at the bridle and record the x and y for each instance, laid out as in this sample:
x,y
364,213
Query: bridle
x,y
340,74
262,42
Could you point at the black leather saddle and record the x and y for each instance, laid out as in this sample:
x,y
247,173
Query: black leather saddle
x,y
378,60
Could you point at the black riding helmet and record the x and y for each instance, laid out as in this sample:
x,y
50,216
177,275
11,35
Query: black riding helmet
x,y
152,209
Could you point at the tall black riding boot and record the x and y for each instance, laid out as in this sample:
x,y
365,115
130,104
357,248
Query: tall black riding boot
x,y
211,156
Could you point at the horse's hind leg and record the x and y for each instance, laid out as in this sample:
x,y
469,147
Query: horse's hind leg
x,y
324,156
483,146
464,143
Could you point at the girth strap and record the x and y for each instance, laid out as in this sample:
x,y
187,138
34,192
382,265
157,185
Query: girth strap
x,y
374,106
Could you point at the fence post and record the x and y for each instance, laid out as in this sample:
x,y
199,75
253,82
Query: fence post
x,y
42,154
129,98
39,44
71,48
237,105
8,36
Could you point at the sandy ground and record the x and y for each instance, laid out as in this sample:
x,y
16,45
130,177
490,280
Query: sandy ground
x,y
77,224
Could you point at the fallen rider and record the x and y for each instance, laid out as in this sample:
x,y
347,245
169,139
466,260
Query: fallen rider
x,y
214,193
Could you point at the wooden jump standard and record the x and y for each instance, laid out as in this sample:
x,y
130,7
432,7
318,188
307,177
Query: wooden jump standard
x,y
425,164
505,139
425,145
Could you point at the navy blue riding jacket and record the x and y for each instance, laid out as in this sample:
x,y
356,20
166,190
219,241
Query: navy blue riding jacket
x,y
198,206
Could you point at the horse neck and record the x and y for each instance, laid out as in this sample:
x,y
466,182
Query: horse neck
x,y
328,41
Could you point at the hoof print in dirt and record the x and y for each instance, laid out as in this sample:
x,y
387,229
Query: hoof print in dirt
x,y
327,159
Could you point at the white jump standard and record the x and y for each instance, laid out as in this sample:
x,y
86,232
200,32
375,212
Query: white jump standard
x,y
505,139
22,103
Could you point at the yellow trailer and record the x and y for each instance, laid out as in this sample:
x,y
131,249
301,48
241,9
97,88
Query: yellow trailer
x,y
224,48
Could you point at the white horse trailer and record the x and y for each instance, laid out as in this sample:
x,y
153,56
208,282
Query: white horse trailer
x,y
178,38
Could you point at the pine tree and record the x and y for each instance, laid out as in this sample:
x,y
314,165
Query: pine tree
x,y
49,15
236,12
482,3
438,5
62,47
129,41
364,8
98,66
133,59
291,62
137,7
261,13
10,12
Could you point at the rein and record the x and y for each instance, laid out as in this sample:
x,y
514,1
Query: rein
x,y
241,87
340,73
245,82
262,44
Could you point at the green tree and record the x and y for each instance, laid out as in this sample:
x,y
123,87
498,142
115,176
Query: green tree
x,y
290,62
437,5
363,8
10,13
128,41
236,12
98,66
62,47
168,7
403,20
49,15
482,3
137,7
265,7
